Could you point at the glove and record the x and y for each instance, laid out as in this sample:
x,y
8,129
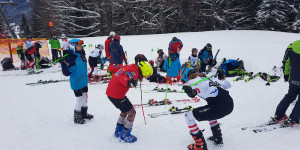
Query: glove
x,y
221,74
125,62
286,78
132,83
189,91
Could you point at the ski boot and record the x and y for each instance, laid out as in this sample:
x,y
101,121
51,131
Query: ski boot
x,y
84,113
78,118
276,119
288,123
217,135
126,136
119,128
199,144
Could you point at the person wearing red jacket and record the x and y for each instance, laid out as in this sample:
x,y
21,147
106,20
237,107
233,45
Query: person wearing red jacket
x,y
107,42
118,86
175,46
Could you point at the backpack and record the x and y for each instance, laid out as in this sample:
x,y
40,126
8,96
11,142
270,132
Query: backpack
x,y
7,64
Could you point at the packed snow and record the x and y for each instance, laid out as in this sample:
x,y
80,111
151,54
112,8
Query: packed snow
x,y
41,117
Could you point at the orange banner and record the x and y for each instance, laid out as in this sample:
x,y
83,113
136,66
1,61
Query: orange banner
x,y
4,48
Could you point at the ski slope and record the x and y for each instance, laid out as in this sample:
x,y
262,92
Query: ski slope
x,y
41,117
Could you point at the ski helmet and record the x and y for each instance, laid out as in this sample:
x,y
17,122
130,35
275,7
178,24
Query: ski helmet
x,y
63,36
186,72
194,49
73,43
112,34
160,51
117,37
20,43
100,46
174,39
208,45
146,69
151,62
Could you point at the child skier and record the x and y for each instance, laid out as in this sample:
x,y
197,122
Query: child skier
x,y
75,66
206,57
160,60
194,61
172,66
219,104
32,54
20,51
121,81
65,45
93,59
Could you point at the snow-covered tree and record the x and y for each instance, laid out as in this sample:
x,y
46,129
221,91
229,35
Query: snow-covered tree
x,y
24,27
274,15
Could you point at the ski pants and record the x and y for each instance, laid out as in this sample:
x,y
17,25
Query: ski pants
x,y
293,91
54,54
216,108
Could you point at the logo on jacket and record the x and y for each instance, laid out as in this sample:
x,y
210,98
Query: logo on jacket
x,y
214,91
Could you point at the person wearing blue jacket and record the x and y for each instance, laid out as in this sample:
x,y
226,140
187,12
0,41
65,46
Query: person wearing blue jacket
x,y
116,51
206,57
75,66
172,66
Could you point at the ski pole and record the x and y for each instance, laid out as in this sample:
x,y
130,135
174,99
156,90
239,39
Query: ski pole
x,y
142,101
166,95
58,60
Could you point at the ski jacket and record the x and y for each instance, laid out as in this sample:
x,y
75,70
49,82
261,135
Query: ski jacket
x,y
175,47
20,51
65,45
204,54
29,44
206,89
118,84
76,69
292,64
160,59
117,53
106,44
172,66
96,52
55,44
194,61
229,64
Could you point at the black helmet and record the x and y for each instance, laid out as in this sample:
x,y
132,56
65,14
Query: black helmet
x,y
160,51
194,49
174,39
209,45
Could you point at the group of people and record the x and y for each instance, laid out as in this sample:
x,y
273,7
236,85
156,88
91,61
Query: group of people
x,y
212,88
30,54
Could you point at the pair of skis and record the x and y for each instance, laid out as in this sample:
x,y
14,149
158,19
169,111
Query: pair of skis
x,y
266,127
41,82
156,89
152,102
172,111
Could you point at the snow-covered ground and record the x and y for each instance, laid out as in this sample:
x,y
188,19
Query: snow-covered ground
x,y
41,117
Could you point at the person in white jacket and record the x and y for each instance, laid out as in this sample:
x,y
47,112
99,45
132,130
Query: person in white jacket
x,y
159,62
65,45
219,104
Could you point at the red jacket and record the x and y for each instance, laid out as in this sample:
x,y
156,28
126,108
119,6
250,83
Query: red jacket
x,y
117,87
107,42
174,47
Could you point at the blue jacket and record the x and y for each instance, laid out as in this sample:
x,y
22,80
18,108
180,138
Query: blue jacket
x,y
174,66
76,69
116,52
233,63
204,54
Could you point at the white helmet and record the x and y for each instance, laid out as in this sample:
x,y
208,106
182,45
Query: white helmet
x,y
100,46
112,33
63,36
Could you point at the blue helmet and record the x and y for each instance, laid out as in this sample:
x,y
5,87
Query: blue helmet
x,y
73,43
185,73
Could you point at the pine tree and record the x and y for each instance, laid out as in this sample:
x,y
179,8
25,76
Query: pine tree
x,y
274,15
24,27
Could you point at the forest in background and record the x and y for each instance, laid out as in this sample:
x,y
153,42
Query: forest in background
x,y
83,18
